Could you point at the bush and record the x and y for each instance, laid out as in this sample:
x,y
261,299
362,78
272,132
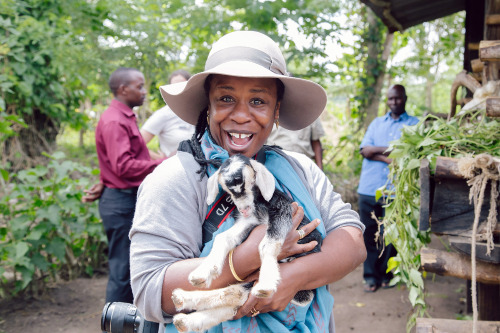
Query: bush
x,y
46,233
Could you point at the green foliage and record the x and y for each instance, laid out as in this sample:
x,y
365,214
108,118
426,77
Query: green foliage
x,y
361,64
38,49
430,138
46,233
426,59
7,122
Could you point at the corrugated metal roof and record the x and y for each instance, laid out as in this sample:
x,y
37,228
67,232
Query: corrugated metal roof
x,y
401,14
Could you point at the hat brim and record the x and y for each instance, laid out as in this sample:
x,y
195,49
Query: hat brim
x,y
303,100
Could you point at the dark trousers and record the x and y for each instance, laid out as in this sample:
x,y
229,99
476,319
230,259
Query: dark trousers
x,y
375,266
117,212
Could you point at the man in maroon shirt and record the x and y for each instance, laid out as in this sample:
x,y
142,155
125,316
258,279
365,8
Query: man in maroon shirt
x,y
124,162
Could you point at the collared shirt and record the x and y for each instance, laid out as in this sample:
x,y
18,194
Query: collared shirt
x,y
380,133
123,155
298,141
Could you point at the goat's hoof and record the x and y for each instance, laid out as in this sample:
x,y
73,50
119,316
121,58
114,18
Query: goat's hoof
x,y
177,299
180,322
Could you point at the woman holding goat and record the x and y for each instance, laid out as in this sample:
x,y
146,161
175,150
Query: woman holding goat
x,y
244,91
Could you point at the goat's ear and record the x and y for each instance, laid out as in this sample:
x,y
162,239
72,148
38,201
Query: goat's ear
x,y
263,179
212,187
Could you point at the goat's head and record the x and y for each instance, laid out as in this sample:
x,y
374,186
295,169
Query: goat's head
x,y
237,176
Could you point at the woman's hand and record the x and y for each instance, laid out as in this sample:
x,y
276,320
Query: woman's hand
x,y
287,289
290,246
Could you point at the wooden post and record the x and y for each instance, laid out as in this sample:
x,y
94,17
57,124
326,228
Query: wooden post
x,y
425,195
493,19
489,50
493,107
447,168
439,325
458,265
488,301
477,65
474,46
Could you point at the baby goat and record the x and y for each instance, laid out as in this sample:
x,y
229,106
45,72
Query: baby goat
x,y
252,189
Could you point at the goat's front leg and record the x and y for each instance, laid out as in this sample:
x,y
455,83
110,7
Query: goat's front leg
x,y
269,248
234,295
203,320
269,276
211,266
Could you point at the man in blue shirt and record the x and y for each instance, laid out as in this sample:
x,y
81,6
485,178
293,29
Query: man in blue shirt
x,y
374,173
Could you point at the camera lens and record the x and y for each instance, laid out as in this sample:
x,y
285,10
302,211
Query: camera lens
x,y
120,317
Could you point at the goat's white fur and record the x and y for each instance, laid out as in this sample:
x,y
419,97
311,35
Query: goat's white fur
x,y
216,306
213,307
212,265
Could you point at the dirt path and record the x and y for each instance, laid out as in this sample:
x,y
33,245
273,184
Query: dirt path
x,y
76,306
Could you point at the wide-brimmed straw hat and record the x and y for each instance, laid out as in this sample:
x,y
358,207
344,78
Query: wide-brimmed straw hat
x,y
254,55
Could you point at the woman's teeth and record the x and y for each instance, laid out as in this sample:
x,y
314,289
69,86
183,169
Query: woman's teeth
x,y
240,139
240,135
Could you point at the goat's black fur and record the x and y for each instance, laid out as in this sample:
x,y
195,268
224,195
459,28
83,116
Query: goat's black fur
x,y
277,211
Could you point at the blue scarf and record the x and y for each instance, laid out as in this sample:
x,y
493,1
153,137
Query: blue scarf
x,y
313,317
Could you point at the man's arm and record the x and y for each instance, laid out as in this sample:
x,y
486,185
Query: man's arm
x,y
376,153
318,152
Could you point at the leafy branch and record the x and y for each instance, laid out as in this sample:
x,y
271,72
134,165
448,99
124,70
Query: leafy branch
x,y
432,137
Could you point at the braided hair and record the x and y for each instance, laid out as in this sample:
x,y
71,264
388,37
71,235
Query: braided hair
x,y
202,126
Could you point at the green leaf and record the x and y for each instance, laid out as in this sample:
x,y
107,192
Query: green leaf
x,y
21,249
392,264
50,213
27,276
413,164
5,174
426,142
416,278
57,247
40,262
35,234
413,295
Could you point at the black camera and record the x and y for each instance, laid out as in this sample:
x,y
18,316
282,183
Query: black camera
x,y
118,317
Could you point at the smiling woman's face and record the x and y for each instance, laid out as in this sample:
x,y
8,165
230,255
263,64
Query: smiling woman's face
x,y
242,112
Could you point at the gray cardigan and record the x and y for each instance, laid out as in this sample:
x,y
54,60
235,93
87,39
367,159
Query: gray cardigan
x,y
170,211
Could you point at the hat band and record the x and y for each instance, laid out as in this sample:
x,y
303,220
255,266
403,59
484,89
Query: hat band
x,y
242,53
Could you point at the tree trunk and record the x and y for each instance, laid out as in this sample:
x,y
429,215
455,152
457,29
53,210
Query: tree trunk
x,y
25,150
375,66
428,93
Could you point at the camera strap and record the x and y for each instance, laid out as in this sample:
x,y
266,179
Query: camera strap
x,y
217,215
225,205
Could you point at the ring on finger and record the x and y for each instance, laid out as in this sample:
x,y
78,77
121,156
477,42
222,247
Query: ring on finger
x,y
302,233
254,312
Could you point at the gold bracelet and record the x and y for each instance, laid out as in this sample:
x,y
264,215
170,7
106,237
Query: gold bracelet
x,y
231,267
